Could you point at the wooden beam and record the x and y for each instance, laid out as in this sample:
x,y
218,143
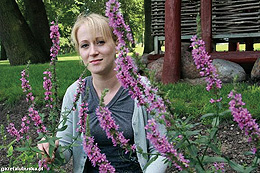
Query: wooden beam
x,y
238,57
206,23
172,59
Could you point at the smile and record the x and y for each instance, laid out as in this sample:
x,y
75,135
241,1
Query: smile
x,y
95,61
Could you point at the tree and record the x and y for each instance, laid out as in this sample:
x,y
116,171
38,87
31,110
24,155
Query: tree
x,y
35,12
17,37
68,10
148,39
133,13
3,53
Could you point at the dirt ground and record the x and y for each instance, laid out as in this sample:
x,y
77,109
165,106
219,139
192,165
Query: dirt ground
x,y
234,143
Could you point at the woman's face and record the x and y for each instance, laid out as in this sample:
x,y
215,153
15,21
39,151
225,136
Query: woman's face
x,y
96,53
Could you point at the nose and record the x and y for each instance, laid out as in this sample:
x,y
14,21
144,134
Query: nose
x,y
93,50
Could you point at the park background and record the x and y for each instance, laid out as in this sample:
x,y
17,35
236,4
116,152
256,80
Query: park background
x,y
187,100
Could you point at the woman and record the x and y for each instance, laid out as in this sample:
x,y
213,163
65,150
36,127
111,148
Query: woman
x,y
96,44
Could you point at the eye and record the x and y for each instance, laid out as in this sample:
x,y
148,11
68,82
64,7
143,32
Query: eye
x,y
84,45
101,42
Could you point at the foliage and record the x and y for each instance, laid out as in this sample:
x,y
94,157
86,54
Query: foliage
x,y
67,11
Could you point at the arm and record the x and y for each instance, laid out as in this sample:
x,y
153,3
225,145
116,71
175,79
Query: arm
x,y
67,104
157,166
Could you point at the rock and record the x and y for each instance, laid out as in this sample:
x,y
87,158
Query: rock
x,y
255,73
197,81
228,70
156,67
144,59
188,68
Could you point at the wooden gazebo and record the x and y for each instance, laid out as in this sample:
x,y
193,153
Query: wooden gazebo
x,y
229,21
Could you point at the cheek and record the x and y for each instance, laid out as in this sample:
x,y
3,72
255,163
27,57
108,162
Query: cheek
x,y
84,58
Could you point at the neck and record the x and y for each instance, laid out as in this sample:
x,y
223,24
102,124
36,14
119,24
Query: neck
x,y
102,82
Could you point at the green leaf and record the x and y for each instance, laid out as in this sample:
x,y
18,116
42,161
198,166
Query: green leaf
x,y
207,115
202,140
215,122
225,112
215,148
248,153
191,133
43,141
23,149
63,128
237,167
199,169
36,149
150,161
40,136
213,132
193,150
51,149
249,169
74,145
52,142
10,151
208,159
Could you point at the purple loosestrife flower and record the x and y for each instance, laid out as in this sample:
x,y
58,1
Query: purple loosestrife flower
x,y
244,119
80,90
13,131
24,129
24,126
91,149
55,37
82,118
37,120
126,69
219,166
95,156
129,78
204,63
26,86
43,163
162,145
47,85
108,124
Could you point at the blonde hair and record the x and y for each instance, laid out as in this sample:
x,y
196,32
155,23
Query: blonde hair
x,y
97,23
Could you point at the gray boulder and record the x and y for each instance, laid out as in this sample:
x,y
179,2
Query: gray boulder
x,y
255,73
156,67
188,68
228,70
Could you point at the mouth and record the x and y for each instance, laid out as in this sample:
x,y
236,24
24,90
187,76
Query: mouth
x,y
95,61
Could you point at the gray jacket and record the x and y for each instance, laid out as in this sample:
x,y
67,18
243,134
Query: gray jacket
x,y
139,120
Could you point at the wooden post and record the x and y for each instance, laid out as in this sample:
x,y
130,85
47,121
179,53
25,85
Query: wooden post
x,y
249,44
206,23
232,45
172,57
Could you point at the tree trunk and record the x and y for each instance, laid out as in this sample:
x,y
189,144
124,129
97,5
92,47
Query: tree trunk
x,y
3,53
16,36
148,38
36,15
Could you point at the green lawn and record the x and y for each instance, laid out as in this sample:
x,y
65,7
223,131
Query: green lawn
x,y
186,99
